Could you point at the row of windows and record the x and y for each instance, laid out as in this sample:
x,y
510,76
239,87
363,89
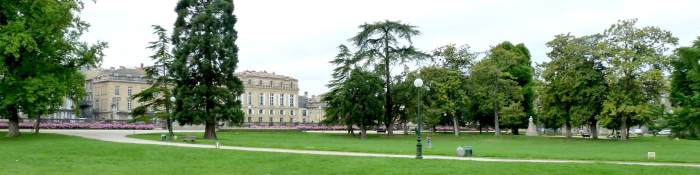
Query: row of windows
x,y
272,112
272,83
260,119
271,99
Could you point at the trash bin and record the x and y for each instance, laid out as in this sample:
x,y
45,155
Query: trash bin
x,y
468,151
460,151
162,137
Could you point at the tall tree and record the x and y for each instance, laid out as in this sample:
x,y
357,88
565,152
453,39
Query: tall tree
x,y
336,113
515,59
574,83
157,97
496,89
685,96
635,61
383,44
39,42
205,61
357,101
452,57
447,94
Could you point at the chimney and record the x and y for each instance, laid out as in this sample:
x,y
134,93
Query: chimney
x,y
141,65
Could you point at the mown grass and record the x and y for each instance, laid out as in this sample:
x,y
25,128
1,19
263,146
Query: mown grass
x,y
667,150
57,154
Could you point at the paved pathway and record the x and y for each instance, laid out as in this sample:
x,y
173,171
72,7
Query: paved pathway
x,y
120,136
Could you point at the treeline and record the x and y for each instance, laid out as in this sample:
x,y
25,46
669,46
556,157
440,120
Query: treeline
x,y
622,77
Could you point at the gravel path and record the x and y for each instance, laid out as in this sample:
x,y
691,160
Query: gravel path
x,y
120,136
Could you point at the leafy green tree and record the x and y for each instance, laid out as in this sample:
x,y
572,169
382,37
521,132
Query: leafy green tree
x,y
358,101
41,57
685,85
383,44
574,83
634,59
496,90
515,60
453,57
205,61
447,95
157,97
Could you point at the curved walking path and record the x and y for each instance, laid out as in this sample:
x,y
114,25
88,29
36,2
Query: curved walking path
x,y
120,136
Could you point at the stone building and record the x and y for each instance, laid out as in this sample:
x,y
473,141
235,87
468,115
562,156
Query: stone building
x,y
270,98
109,92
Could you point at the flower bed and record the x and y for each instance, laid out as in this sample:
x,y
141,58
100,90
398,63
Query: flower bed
x,y
83,126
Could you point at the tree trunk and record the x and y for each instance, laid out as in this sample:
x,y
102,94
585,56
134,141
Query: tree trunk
x,y
495,119
388,106
37,124
593,126
210,130
363,131
455,124
405,127
169,125
479,128
567,129
514,130
623,129
13,123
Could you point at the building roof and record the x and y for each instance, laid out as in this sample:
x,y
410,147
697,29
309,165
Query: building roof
x,y
263,74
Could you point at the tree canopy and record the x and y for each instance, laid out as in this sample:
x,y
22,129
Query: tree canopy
x,y
206,56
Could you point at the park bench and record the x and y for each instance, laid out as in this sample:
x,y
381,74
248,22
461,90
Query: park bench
x,y
585,135
189,139
381,130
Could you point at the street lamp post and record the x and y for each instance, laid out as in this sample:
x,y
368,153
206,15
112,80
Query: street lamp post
x,y
419,147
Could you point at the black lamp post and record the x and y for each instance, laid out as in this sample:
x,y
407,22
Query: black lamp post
x,y
419,147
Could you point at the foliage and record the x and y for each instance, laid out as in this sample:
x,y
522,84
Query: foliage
x,y
685,85
634,59
382,44
41,57
574,83
446,96
205,61
157,97
496,90
357,101
452,57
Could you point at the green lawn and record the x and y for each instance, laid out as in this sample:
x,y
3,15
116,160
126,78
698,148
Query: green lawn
x,y
56,154
667,150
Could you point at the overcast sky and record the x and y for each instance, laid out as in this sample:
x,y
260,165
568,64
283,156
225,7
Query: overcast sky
x,y
298,38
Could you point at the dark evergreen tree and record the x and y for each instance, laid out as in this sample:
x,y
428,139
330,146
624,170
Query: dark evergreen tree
x,y
205,62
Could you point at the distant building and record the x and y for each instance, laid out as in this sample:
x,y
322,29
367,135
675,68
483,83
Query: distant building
x,y
109,92
270,98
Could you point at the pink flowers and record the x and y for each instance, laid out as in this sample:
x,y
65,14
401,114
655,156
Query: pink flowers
x,y
83,126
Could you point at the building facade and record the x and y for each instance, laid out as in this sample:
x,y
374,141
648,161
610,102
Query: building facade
x,y
270,98
110,90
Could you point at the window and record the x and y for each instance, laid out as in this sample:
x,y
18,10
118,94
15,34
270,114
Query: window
x,y
291,112
115,103
281,119
260,111
250,99
116,90
272,112
128,105
291,100
250,81
270,119
259,119
128,91
281,99
250,111
261,99
272,99
260,83
281,112
250,119
303,120
271,83
291,120
303,112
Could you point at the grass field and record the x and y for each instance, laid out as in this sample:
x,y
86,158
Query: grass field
x,y
667,150
57,154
